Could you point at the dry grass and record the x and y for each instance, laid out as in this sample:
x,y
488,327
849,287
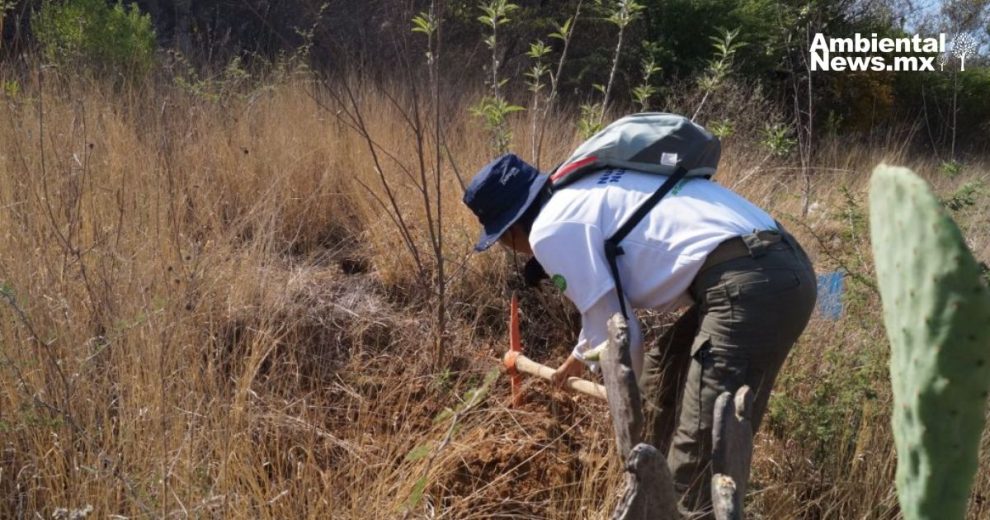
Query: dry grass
x,y
207,313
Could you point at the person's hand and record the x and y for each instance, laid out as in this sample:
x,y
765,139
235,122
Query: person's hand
x,y
573,367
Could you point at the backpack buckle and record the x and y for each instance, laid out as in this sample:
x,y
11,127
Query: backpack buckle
x,y
613,249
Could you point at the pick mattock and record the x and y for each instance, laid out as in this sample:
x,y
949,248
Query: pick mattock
x,y
515,362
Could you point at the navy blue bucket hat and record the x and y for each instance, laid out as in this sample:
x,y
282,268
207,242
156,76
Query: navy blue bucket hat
x,y
500,193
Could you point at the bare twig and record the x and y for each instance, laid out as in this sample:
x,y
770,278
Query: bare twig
x,y
360,125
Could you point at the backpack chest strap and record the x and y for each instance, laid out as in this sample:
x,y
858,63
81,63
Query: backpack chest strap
x,y
612,248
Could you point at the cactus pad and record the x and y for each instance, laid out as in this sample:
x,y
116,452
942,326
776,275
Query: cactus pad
x,y
936,310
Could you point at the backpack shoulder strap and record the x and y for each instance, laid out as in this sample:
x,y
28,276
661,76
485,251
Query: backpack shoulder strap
x,y
612,249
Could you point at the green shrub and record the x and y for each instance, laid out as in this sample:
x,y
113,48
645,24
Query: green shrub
x,y
97,36
826,410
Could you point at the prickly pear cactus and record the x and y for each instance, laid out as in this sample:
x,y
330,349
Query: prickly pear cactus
x,y
937,314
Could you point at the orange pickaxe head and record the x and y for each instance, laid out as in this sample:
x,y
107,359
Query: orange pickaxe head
x,y
515,348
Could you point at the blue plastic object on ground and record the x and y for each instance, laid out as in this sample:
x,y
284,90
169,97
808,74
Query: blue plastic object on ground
x,y
830,288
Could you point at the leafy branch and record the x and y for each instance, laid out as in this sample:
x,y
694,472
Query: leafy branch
x,y
564,33
720,66
538,52
644,91
622,15
494,109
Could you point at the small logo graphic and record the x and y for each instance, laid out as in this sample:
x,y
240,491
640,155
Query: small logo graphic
x,y
963,45
559,282
668,159
506,176
611,176
678,187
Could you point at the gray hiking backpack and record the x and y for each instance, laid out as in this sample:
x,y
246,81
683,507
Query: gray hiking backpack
x,y
650,142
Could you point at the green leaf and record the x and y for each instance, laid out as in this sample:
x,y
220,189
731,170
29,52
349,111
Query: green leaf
x,y
643,93
535,77
563,30
476,395
424,23
590,122
418,453
447,413
538,49
722,129
417,493
650,68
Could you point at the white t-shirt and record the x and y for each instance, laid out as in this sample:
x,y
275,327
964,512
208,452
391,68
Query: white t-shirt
x,y
662,254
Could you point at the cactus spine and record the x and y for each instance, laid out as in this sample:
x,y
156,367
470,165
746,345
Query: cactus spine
x,y
937,314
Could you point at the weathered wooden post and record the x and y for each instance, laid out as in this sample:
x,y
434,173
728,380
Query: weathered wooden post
x,y
649,490
732,453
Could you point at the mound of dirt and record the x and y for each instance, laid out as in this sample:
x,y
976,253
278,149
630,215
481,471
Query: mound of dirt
x,y
530,460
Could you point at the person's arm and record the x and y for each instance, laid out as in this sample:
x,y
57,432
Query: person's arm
x,y
573,254
594,330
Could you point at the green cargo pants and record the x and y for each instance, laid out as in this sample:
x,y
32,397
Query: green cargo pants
x,y
748,313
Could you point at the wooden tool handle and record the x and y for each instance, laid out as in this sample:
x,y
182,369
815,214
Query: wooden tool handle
x,y
524,364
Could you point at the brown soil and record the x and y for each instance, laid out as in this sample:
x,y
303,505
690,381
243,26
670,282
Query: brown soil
x,y
528,459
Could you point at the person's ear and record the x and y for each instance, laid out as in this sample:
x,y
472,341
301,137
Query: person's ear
x,y
521,235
